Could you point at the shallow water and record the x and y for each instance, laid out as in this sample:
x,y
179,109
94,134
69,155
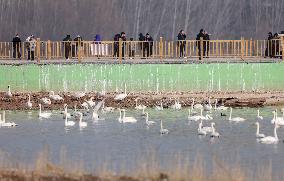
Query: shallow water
x,y
108,141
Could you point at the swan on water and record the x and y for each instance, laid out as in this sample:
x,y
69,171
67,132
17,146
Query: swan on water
x,y
257,134
8,94
200,130
123,119
214,132
82,124
55,97
163,130
159,108
176,105
197,106
206,128
29,103
236,119
45,101
122,96
208,107
271,139
107,109
149,123
139,107
43,114
76,114
66,114
276,119
68,123
219,108
3,122
258,116
193,118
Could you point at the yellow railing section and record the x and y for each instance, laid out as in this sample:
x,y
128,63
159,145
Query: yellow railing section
x,y
160,50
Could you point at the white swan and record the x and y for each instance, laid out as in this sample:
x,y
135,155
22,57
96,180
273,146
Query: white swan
x,y
257,134
236,119
29,103
69,123
66,114
3,122
122,96
258,116
206,128
159,108
219,108
271,139
139,107
95,116
43,115
81,123
76,114
54,97
107,109
149,123
162,130
193,118
79,95
214,132
208,107
91,103
8,94
45,101
197,106
143,112
128,119
176,105
201,131
277,120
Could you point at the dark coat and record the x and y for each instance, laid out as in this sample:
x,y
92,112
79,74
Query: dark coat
x,y
16,42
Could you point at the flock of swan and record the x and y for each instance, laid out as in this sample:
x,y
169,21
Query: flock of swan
x,y
195,113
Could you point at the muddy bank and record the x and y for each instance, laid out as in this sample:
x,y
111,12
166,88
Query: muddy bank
x,y
233,99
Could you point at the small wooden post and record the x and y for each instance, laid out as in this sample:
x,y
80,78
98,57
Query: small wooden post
x,y
79,53
120,50
161,48
48,50
242,47
23,50
201,48
282,45
38,49
251,48
257,48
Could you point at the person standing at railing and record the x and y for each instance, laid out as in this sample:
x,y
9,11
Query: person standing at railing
x,y
78,45
142,44
149,45
123,38
132,48
32,44
181,43
17,46
98,46
198,38
27,45
268,50
67,46
116,46
206,43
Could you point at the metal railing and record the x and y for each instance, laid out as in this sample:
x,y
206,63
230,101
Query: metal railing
x,y
202,49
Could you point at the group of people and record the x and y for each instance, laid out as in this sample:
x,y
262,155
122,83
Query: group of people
x,y
30,45
273,45
145,45
69,49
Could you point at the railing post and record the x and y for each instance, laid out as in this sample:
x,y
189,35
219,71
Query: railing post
x,y
120,50
79,54
282,45
201,48
161,48
48,50
242,47
23,50
38,49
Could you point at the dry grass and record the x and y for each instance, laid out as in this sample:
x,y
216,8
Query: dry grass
x,y
146,169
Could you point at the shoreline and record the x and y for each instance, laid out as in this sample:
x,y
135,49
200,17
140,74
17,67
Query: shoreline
x,y
230,99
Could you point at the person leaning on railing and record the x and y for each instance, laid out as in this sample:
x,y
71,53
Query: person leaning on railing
x,y
116,46
32,44
67,46
149,45
206,43
198,44
123,38
17,46
181,43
